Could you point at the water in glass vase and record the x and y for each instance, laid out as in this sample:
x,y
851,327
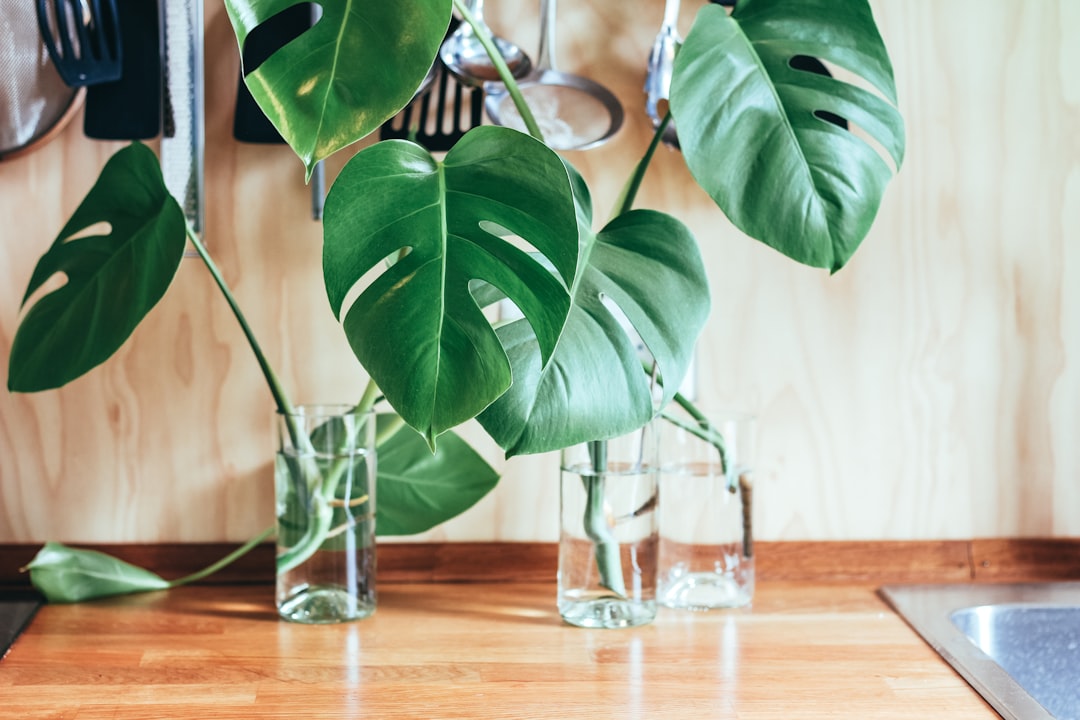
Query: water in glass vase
x,y
325,495
608,547
706,527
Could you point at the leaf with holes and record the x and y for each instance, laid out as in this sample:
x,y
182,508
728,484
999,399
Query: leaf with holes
x,y
756,132
113,279
416,326
646,264
341,79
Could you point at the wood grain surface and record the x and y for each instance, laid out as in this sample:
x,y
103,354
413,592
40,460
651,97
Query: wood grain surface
x,y
479,651
930,390
881,561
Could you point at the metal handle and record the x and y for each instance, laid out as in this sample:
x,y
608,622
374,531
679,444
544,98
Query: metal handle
x,y
318,173
662,61
545,56
183,141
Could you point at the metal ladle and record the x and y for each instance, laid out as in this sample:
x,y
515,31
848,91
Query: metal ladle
x,y
574,113
465,57
658,76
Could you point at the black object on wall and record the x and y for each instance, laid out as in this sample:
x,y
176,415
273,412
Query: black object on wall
x,y
130,108
249,123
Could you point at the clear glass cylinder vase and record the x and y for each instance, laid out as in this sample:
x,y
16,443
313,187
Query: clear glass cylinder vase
x,y
706,530
608,543
324,476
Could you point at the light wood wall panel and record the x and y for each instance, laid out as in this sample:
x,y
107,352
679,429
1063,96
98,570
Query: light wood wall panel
x,y
931,389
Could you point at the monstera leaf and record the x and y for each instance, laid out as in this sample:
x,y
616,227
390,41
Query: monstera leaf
x,y
755,131
113,278
418,489
416,326
340,80
64,574
647,264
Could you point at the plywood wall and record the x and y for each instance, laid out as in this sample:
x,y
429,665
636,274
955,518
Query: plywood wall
x,y
931,389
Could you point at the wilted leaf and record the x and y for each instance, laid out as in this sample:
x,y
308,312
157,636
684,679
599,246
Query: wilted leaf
x,y
64,574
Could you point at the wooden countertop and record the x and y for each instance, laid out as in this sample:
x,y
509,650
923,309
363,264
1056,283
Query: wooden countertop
x,y
476,650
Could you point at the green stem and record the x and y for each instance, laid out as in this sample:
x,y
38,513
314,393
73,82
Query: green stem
x,y
605,546
325,487
504,72
320,517
633,183
702,428
280,399
231,557
395,424
324,490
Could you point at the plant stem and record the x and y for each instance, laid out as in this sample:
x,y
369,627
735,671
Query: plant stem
x,y
325,487
504,72
234,555
280,399
605,546
633,183
702,428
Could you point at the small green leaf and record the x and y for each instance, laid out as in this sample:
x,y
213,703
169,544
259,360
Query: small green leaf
x,y
752,132
416,327
417,490
67,575
113,279
341,79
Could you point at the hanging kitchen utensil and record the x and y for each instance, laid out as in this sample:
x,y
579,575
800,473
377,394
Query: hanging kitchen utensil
x,y
438,116
83,39
130,108
466,58
250,123
183,136
35,103
658,73
573,112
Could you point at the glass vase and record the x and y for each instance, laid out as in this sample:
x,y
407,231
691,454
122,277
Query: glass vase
x,y
325,497
608,543
706,533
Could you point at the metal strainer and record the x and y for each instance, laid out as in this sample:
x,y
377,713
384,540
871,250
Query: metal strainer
x,y
35,104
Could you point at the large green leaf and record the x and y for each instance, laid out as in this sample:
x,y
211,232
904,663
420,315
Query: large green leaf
x,y
113,279
647,264
65,574
750,133
340,80
416,326
418,489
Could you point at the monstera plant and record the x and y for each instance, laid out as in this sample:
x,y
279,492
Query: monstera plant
x,y
501,216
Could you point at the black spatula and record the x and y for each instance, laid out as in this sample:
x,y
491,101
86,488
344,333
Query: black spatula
x,y
83,39
130,108
440,115
249,123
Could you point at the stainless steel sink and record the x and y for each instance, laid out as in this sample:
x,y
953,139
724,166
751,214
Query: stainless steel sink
x,y
1017,645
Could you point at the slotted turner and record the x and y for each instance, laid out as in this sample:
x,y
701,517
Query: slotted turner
x,y
439,115
83,39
